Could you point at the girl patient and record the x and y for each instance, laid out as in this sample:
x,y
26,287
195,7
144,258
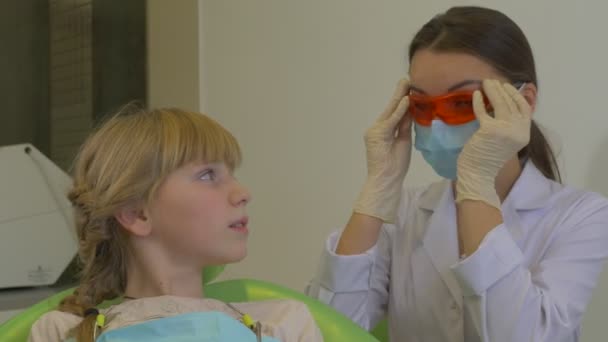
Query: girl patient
x,y
155,201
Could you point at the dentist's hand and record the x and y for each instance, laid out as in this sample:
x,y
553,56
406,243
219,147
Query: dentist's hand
x,y
498,140
389,145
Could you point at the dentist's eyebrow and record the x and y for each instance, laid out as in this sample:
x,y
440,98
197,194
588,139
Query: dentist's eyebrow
x,y
463,84
452,88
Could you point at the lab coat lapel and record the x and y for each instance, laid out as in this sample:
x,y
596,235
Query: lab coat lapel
x,y
441,237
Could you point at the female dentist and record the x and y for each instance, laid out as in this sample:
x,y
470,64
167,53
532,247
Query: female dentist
x,y
498,251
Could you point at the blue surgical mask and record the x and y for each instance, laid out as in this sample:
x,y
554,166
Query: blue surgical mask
x,y
440,144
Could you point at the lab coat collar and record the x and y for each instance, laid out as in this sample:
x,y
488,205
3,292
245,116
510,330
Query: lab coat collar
x,y
532,190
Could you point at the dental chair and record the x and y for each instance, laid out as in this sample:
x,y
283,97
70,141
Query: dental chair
x,y
334,326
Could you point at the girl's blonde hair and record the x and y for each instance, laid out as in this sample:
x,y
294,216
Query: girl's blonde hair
x,y
121,163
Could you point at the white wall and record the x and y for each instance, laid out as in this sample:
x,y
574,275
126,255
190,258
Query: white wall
x,y
173,58
299,81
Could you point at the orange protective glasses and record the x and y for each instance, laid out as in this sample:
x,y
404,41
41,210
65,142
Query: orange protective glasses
x,y
454,108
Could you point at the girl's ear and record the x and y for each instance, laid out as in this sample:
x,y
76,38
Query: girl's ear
x,y
134,220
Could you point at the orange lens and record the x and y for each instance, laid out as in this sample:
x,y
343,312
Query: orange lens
x,y
456,108
422,110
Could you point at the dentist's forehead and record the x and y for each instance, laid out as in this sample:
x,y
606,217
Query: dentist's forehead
x,y
436,73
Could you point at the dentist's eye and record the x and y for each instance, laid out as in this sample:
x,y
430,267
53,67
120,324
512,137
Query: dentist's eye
x,y
463,103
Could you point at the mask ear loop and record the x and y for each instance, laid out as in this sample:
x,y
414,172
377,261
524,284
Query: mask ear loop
x,y
518,85
256,327
100,320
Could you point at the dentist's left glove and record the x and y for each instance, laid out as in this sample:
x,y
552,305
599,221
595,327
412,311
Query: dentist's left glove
x,y
497,140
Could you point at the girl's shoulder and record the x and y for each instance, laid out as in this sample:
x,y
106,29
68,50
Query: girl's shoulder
x,y
53,326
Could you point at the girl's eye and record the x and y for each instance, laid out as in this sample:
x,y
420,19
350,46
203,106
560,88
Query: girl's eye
x,y
209,175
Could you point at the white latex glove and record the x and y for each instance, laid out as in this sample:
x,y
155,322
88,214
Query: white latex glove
x,y
498,140
389,144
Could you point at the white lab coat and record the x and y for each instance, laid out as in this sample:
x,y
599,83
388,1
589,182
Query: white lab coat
x,y
530,279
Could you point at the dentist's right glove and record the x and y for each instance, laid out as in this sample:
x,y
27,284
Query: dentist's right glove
x,y
497,140
389,146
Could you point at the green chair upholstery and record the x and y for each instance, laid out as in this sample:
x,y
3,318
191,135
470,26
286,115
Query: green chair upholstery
x,y
334,326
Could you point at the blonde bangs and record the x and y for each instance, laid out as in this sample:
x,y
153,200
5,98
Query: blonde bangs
x,y
189,137
134,151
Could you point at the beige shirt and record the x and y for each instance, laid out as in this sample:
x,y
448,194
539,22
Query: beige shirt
x,y
286,320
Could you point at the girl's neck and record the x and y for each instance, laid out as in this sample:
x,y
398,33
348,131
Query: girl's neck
x,y
159,278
